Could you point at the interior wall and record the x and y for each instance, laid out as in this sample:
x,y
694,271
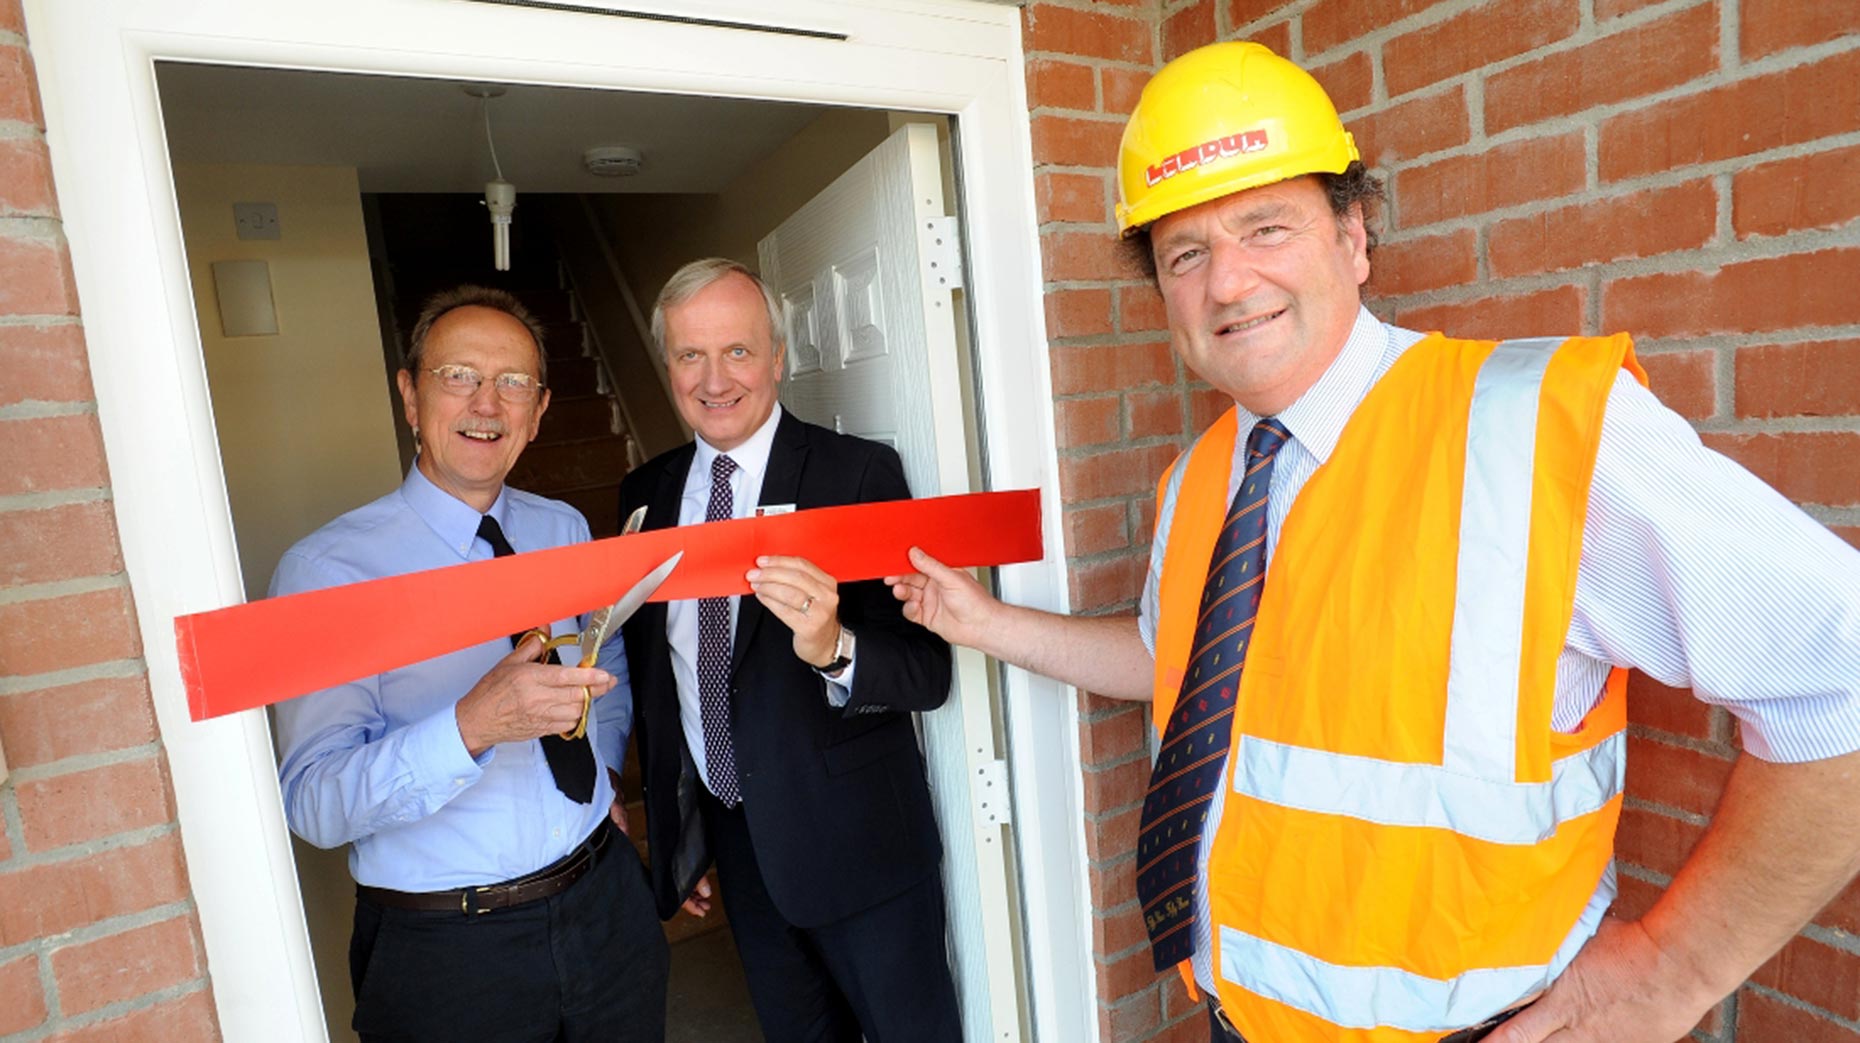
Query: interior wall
x,y
304,419
653,234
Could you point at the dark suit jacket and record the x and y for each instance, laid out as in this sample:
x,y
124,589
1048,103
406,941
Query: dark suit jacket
x,y
836,801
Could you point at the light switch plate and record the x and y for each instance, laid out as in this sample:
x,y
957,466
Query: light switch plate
x,y
256,220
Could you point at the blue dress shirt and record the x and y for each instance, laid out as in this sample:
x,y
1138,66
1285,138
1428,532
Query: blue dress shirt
x,y
379,763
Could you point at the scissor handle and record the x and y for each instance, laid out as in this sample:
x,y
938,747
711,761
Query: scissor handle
x,y
587,695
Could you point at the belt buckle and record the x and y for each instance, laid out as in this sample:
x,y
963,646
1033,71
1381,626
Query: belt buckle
x,y
466,905
1225,1022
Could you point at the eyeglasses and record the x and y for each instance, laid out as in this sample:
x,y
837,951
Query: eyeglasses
x,y
464,380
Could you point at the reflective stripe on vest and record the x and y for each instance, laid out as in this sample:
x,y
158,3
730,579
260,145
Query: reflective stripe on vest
x,y
1498,780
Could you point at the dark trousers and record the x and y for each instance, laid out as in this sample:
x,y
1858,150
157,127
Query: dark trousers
x,y
587,964
1218,1032
882,972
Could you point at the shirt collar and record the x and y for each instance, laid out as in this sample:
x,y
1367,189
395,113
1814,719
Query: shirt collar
x,y
752,456
453,520
1316,420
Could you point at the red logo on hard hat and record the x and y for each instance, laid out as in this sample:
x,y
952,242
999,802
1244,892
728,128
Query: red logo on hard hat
x,y
1201,155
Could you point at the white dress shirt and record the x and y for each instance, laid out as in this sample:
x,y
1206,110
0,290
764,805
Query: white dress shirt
x,y
1692,571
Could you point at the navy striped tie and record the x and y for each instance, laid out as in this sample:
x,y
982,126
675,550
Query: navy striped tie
x,y
1195,743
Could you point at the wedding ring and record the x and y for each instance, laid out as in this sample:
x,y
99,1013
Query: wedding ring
x,y
805,605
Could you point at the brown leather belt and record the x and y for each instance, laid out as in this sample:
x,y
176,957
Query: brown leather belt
x,y
1465,1035
546,882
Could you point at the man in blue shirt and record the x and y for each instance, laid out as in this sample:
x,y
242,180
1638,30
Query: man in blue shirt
x,y
496,898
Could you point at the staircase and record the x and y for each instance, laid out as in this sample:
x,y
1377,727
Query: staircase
x,y
424,243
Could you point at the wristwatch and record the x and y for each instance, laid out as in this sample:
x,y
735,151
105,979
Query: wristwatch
x,y
842,654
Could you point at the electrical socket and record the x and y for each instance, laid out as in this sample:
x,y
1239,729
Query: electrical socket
x,y
256,220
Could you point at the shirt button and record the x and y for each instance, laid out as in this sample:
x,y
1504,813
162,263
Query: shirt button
x,y
555,833
458,782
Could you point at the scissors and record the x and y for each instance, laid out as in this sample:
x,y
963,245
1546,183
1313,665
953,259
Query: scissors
x,y
602,622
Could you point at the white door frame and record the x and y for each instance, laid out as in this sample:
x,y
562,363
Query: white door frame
x,y
95,62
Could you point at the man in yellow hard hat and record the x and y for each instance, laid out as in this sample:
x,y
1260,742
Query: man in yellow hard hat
x,y
1392,598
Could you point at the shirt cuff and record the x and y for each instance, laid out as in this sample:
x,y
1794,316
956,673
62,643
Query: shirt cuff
x,y
839,689
437,757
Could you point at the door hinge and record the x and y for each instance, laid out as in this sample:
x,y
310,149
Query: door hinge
x,y
990,792
942,253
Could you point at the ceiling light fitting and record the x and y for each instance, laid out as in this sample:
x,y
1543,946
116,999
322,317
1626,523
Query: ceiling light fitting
x,y
612,161
500,196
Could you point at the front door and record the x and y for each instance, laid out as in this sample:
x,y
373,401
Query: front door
x,y
865,272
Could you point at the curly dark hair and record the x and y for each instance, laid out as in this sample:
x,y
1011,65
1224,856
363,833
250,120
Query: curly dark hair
x,y
1355,186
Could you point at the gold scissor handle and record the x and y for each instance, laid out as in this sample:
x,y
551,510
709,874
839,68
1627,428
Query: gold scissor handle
x,y
550,644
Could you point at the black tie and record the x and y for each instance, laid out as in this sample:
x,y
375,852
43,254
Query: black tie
x,y
570,760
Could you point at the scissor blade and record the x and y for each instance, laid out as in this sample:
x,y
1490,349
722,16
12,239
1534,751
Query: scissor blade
x,y
605,621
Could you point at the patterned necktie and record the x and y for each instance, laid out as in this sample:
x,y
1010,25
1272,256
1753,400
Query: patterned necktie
x,y
1195,743
571,761
713,658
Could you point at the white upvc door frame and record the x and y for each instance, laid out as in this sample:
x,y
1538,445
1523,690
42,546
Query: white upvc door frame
x,y
95,62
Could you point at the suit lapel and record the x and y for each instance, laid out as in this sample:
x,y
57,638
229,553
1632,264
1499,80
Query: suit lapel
x,y
781,483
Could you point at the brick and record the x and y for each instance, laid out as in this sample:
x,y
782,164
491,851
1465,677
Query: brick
x,y
1551,312
1087,421
1797,194
1128,975
1764,1017
1743,118
1492,179
1816,973
1639,224
1674,711
51,899
1350,82
1107,789
1119,472
1808,467
26,179
1143,520
1275,38
64,542
1655,841
1114,738
123,966
1119,929
1243,12
1078,313
50,454
1140,309
1635,898
1607,9
1850,533
1642,60
1185,29
1154,414
1205,406
102,716
1078,256
1073,142
1769,26
1096,530
1054,84
1107,583
1687,381
1113,834
86,805
1843,914
66,631
1071,197
1329,23
44,364
1087,34
1120,88
1131,1019
22,1001
1110,367
1818,378
19,91
188,1017
1675,776
35,278
1774,293
1476,37
1427,263
12,17
1413,128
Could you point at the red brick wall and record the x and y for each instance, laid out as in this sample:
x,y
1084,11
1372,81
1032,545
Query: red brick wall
x,y
98,935
1687,171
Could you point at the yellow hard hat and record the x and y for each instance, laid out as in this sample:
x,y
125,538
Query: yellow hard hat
x,y
1220,119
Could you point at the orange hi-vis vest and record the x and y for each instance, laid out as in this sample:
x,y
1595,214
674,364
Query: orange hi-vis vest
x,y
1406,847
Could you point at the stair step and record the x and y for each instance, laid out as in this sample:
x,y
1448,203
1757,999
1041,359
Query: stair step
x,y
574,377
600,504
574,417
556,468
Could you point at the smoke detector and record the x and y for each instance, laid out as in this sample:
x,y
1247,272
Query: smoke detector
x,y
612,161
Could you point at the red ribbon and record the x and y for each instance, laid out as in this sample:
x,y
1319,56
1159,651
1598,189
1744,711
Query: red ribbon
x,y
261,652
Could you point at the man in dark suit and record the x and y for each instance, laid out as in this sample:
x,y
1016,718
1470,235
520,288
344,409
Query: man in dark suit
x,y
775,731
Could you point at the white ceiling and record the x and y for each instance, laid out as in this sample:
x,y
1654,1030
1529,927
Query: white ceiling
x,y
419,135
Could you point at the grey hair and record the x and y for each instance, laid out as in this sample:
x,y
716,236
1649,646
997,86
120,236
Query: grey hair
x,y
469,296
690,280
